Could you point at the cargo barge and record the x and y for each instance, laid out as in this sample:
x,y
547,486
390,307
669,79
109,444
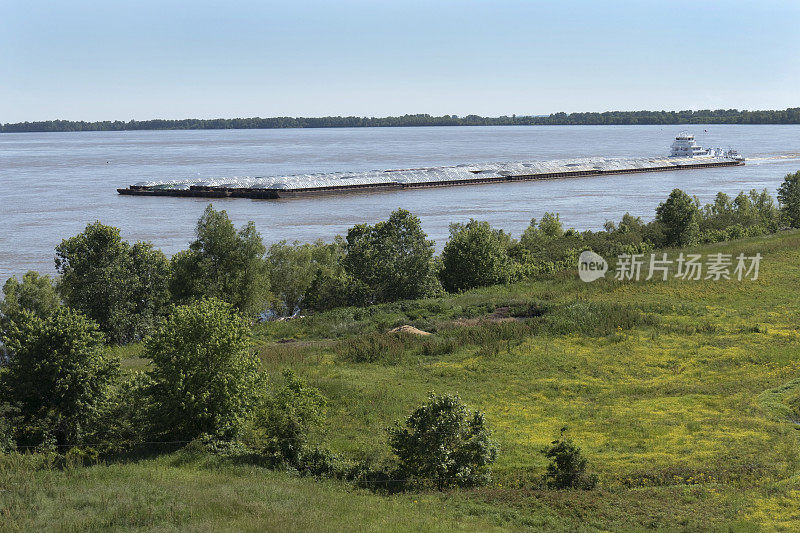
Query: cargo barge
x,y
685,155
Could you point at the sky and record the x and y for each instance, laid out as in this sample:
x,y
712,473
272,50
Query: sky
x,y
110,60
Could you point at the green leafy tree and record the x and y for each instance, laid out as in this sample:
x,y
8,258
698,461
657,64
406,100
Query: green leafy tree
x,y
766,213
550,225
547,229
445,442
123,288
35,294
293,268
223,263
329,290
394,258
147,294
58,377
679,216
204,377
546,247
719,214
749,214
281,424
701,116
567,468
476,256
789,199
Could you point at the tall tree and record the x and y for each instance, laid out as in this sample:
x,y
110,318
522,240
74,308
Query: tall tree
x,y
294,267
679,216
475,256
789,198
223,263
123,288
393,258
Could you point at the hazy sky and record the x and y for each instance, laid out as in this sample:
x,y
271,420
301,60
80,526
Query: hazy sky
x,y
146,59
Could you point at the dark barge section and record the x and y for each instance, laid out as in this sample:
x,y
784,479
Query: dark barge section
x,y
204,191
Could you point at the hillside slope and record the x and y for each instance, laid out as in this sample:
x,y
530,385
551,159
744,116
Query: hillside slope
x,y
684,396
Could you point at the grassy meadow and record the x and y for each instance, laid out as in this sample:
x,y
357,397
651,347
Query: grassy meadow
x,y
683,395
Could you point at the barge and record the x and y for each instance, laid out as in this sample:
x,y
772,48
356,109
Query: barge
x,y
685,155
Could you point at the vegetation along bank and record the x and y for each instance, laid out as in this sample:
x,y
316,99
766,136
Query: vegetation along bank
x,y
141,391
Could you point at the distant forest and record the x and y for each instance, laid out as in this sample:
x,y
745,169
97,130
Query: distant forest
x,y
706,116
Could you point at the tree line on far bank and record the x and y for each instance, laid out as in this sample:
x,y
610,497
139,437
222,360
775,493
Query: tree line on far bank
x,y
702,116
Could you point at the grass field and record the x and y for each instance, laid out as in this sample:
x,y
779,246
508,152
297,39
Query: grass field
x,y
684,396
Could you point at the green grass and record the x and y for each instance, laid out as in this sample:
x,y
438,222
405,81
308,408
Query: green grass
x,y
682,395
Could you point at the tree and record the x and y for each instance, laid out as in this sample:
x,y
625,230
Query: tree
x,y
35,294
58,377
123,288
329,290
293,268
548,229
630,224
550,225
476,256
148,296
545,247
679,216
204,377
766,213
223,263
444,441
789,199
394,258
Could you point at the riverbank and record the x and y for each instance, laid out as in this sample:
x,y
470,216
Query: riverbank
x,y
685,416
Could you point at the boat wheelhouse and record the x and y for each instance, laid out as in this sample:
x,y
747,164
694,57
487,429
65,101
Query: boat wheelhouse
x,y
686,146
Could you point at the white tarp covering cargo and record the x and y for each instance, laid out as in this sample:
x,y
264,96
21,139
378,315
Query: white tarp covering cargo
x,y
459,173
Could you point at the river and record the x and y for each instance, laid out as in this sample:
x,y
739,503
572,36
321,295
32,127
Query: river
x,y
53,184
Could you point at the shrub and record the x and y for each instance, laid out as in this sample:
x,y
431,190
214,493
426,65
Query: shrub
x,y
546,248
595,319
567,468
444,442
224,264
59,377
205,379
281,424
548,228
375,347
476,256
123,288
